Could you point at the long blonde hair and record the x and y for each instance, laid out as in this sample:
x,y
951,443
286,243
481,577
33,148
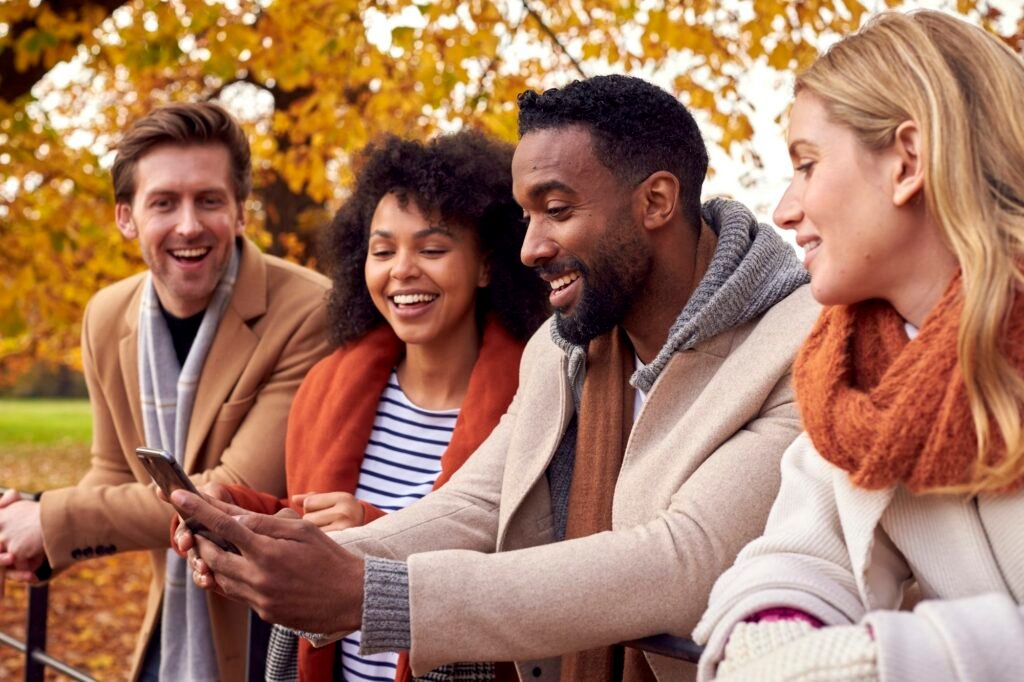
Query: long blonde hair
x,y
964,89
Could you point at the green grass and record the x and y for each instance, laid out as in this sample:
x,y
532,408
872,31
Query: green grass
x,y
44,422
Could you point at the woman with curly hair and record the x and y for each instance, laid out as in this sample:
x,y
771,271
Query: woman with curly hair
x,y
908,196
431,308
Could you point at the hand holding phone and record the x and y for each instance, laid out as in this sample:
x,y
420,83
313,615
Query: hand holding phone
x,y
169,476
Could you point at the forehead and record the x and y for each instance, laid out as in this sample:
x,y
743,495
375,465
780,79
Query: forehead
x,y
809,120
564,155
170,167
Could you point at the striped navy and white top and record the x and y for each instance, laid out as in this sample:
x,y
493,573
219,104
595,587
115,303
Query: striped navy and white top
x,y
402,461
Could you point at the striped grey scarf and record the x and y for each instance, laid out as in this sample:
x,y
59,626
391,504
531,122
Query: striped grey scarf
x,y
168,394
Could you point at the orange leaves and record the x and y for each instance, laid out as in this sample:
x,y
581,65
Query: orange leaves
x,y
314,81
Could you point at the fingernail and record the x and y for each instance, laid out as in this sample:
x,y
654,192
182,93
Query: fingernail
x,y
181,499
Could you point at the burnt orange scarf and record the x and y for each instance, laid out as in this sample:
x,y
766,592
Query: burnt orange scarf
x,y
890,410
331,419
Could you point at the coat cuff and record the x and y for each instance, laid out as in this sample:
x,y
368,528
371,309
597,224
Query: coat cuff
x,y
386,625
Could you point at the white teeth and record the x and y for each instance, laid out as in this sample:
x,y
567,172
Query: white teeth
x,y
409,299
811,245
189,253
564,281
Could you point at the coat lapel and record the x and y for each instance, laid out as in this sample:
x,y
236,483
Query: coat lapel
x,y
860,513
230,352
547,408
128,351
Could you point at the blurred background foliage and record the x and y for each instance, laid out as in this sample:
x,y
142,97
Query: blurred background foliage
x,y
313,81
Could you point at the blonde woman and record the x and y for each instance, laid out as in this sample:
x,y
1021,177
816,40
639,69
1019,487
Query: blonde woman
x,y
908,197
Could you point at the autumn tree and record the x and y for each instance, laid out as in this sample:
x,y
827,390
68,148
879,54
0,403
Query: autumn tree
x,y
314,81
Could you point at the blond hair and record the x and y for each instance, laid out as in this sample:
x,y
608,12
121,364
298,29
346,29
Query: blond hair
x,y
963,88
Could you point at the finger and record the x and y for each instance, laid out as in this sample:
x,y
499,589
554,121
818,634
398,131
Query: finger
x,y
226,569
10,495
320,501
214,515
160,494
299,498
287,513
25,577
340,524
326,517
277,527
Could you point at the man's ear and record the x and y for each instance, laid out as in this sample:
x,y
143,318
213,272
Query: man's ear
x,y
240,227
123,216
908,175
659,195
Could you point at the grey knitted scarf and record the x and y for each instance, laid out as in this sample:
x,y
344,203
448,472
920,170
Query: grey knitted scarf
x,y
751,270
168,394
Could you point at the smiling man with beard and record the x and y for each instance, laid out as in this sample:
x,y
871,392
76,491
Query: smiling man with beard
x,y
201,356
639,455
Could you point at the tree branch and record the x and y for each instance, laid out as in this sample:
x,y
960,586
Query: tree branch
x,y
554,38
15,83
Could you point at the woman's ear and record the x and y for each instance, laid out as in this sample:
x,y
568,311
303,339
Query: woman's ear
x,y
484,275
908,177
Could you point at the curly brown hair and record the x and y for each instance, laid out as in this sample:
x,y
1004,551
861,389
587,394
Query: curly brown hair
x,y
466,178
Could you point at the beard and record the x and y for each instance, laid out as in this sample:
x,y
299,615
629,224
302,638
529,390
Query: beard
x,y
612,282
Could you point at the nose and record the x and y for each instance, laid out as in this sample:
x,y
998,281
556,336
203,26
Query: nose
x,y
538,247
788,214
405,266
188,225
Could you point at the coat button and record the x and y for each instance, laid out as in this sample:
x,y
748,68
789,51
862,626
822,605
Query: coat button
x,y
111,549
87,552
537,672
76,554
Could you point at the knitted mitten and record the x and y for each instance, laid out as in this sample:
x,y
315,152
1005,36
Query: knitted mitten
x,y
751,641
845,653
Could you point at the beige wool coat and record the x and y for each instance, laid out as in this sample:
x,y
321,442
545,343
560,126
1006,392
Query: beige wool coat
x,y
272,331
845,555
700,471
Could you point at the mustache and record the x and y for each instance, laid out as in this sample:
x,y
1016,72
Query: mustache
x,y
556,268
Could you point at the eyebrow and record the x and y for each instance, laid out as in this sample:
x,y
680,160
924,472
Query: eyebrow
x,y
798,142
537,191
419,234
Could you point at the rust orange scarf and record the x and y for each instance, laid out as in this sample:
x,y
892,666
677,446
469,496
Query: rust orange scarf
x,y
331,419
890,410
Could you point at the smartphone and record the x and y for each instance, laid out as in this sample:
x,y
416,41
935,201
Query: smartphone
x,y
169,476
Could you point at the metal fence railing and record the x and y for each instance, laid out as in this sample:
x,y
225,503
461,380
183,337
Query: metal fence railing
x,y
37,660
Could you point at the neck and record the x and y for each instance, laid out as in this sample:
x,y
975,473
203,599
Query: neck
x,y
924,280
666,292
436,375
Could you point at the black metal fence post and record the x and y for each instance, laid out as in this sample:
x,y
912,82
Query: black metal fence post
x,y
259,640
35,631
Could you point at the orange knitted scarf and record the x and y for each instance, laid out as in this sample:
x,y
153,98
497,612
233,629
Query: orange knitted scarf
x,y
890,410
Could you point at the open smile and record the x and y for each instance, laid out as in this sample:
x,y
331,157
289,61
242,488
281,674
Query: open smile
x,y
564,289
412,304
190,256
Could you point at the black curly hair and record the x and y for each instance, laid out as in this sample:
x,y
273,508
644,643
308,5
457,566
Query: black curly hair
x,y
465,177
638,129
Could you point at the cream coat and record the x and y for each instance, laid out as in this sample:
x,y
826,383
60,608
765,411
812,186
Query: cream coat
x,y
699,474
840,552
271,333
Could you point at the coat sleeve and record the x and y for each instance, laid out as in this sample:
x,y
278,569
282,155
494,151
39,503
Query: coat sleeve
x,y
948,640
801,561
617,585
112,509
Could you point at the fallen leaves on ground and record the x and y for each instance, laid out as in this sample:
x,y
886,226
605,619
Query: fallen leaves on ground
x,y
96,607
